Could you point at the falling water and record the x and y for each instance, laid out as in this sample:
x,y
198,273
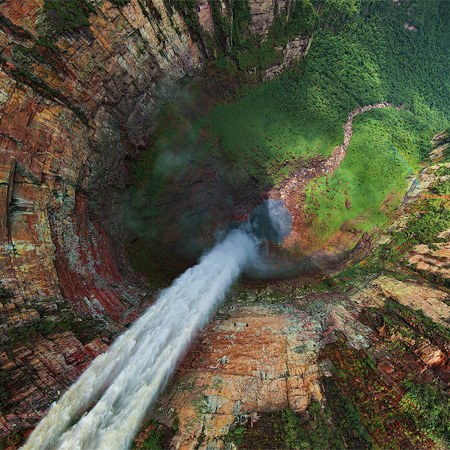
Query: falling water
x,y
121,384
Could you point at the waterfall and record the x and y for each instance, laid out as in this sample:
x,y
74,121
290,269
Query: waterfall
x,y
105,407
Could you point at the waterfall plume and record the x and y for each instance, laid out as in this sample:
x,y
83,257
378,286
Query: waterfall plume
x,y
105,407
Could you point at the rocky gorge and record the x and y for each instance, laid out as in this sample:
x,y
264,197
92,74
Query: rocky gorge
x,y
71,113
349,349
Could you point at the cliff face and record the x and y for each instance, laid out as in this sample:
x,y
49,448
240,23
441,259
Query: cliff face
x,y
76,100
356,359
256,360
70,114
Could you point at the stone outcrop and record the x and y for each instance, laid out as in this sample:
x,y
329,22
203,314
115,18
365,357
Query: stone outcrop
x,y
258,359
430,300
293,51
262,13
434,261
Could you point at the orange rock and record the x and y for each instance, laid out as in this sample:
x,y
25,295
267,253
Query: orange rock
x,y
259,359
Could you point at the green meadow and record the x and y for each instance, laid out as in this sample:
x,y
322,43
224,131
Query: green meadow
x,y
385,150
271,129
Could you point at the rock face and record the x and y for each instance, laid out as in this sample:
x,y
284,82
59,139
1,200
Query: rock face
x,y
65,126
256,359
70,114
261,358
376,345
73,106
416,296
39,371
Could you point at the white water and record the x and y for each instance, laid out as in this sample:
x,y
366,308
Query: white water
x,y
126,380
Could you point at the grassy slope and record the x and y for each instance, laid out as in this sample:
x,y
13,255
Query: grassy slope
x,y
272,123
382,61
385,150
372,58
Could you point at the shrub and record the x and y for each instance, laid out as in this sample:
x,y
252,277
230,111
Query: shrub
x,y
429,409
63,16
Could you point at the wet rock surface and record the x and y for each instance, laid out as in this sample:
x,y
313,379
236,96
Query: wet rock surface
x,y
37,371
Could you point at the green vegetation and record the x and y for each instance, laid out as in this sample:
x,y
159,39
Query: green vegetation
x,y
28,56
337,13
268,130
318,429
64,16
421,324
188,10
346,415
236,436
385,149
432,218
360,55
429,409
13,440
398,321
158,437
301,114
313,434
85,329
249,51
431,221
447,141
441,188
372,410
154,439
443,171
232,41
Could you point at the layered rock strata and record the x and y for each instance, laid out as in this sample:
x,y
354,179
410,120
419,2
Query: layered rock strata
x,y
73,107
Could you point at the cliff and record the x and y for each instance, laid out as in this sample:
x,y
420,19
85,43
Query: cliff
x,y
356,361
80,85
